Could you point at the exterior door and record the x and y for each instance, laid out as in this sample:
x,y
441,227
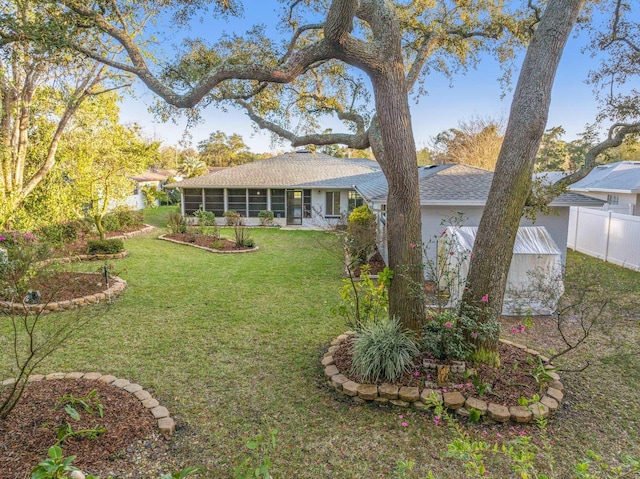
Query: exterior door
x,y
294,207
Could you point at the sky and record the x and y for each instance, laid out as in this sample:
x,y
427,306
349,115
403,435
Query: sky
x,y
476,93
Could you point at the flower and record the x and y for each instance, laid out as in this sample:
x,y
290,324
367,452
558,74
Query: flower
x,y
474,335
2,238
412,245
498,435
447,324
444,390
471,255
514,330
522,329
416,373
485,298
400,416
436,420
468,385
451,253
404,424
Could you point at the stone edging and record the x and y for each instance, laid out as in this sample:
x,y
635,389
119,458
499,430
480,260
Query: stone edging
x,y
422,399
88,257
145,229
250,250
117,286
165,422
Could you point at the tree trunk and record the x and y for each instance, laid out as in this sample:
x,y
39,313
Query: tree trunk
x,y
513,175
399,164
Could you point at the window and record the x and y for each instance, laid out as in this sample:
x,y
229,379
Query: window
x,y
306,204
192,200
333,204
355,200
237,200
612,199
257,202
277,203
214,201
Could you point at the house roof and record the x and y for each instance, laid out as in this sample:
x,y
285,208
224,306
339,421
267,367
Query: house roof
x,y
458,185
619,177
299,169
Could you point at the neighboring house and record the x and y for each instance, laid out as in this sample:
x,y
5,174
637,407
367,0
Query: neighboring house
x,y
616,183
301,188
154,179
447,190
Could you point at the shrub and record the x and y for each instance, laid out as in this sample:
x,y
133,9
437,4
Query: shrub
x,y
177,223
205,218
105,246
266,217
383,351
364,301
128,217
361,227
110,223
243,237
233,218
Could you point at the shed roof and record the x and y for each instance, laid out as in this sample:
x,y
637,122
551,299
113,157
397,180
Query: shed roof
x,y
619,177
529,239
299,169
458,185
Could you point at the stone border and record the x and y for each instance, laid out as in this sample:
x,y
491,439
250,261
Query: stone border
x,y
250,250
422,399
165,422
117,286
145,229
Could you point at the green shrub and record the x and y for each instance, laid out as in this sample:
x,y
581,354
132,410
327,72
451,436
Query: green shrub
x,y
177,223
205,218
266,217
364,301
233,218
361,239
128,217
58,234
383,351
110,223
243,237
105,246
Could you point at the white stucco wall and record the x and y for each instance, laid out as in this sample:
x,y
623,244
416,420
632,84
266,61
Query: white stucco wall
x,y
624,200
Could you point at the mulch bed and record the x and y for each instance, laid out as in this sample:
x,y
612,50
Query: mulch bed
x,y
511,381
205,240
376,265
66,285
31,428
79,246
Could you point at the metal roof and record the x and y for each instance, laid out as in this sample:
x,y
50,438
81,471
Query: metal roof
x,y
619,177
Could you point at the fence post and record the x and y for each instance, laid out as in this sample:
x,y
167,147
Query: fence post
x,y
575,235
606,247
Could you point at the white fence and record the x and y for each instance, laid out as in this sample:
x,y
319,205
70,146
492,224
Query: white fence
x,y
606,235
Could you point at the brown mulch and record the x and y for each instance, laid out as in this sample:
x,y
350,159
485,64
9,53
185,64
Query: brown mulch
x,y
510,382
205,240
79,246
376,265
31,428
66,285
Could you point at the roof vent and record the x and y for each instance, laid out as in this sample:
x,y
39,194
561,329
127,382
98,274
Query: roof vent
x,y
303,151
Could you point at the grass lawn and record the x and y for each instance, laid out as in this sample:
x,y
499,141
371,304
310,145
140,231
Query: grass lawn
x,y
231,345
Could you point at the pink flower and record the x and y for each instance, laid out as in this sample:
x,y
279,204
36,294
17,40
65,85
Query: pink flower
x,y
444,390
484,432
498,435
522,329
436,420
2,238
522,433
416,373
485,298
471,255
514,330
474,335
451,253
468,385
412,245
428,376
400,416
447,324
404,424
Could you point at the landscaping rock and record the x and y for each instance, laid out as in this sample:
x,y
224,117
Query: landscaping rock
x,y
475,403
409,394
420,406
166,425
539,410
388,391
55,376
350,388
328,361
159,412
132,388
498,412
35,378
331,371
431,397
332,349
381,400
94,376
520,414
549,402
556,385
453,400
150,403
357,400
75,375
462,412
399,403
555,394
142,395
368,392
338,380
121,383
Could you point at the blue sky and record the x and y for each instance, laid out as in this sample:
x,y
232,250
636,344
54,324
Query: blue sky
x,y
476,93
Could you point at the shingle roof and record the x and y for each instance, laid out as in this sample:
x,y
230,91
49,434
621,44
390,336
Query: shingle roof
x,y
620,177
300,169
456,185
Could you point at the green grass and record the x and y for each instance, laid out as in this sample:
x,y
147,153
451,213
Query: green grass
x,y
231,345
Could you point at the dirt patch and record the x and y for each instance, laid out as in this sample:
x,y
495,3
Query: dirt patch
x,y
32,427
504,385
65,285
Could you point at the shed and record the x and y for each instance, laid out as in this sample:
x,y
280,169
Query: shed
x,y
534,284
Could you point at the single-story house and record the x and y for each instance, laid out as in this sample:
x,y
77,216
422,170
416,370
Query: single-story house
x,y
616,183
449,190
300,187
